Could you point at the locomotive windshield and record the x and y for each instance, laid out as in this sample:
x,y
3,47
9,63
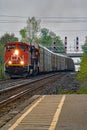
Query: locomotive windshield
x,y
25,48
9,47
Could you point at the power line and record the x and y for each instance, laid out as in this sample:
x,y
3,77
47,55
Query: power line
x,y
46,21
72,30
46,17
5,21
14,16
65,21
62,17
56,30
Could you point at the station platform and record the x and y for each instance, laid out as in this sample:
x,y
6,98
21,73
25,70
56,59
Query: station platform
x,y
52,112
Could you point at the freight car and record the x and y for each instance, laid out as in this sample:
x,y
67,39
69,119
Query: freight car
x,y
50,61
22,59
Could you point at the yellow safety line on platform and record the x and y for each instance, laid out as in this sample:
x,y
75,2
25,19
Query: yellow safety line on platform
x,y
57,114
25,114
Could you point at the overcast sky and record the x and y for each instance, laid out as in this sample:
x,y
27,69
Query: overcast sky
x,y
64,17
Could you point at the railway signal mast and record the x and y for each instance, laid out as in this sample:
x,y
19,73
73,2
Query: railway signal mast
x,y
65,43
77,43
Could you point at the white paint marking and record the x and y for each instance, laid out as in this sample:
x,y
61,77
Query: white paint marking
x,y
25,114
57,114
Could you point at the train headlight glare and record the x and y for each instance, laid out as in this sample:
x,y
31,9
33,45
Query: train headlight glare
x,y
16,52
22,62
9,62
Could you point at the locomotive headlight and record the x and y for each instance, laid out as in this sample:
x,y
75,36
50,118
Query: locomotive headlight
x,y
16,52
9,62
22,62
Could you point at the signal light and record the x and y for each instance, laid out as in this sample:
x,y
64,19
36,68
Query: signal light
x,y
65,38
65,48
77,47
54,43
77,40
54,46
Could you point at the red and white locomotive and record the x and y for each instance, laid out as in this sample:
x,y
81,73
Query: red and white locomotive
x,y
22,59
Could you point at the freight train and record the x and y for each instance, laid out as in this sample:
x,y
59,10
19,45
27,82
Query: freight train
x,y
23,59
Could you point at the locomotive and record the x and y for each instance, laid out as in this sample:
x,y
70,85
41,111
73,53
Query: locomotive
x,y
23,59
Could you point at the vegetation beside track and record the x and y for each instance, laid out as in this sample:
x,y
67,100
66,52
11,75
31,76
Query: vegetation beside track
x,y
2,73
82,75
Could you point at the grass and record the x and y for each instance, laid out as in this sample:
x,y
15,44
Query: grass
x,y
82,78
2,73
83,90
64,91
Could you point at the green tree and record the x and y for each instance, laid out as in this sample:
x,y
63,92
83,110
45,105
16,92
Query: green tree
x,y
3,40
48,38
84,47
45,38
23,33
24,36
2,50
82,75
60,45
8,38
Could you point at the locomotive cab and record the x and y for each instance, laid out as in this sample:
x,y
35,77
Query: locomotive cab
x,y
20,59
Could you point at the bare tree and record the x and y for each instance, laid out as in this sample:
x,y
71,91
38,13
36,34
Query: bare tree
x,y
33,27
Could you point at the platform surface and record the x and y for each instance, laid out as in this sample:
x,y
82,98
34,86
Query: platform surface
x,y
52,112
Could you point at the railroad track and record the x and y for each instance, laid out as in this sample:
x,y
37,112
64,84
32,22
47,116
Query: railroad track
x,y
5,83
12,92
11,97
8,83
